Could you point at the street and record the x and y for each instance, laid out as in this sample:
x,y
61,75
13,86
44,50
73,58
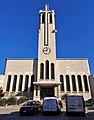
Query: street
x,y
12,113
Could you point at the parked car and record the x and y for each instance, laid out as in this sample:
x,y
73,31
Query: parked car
x,y
75,105
31,107
51,105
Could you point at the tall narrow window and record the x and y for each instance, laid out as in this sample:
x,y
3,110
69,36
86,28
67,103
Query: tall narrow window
x,y
47,69
79,83
85,83
26,82
8,83
62,82
50,18
52,71
41,71
67,83
73,83
20,83
32,85
43,18
14,83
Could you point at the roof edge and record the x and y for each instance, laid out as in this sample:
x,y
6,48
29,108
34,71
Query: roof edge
x,y
21,58
71,58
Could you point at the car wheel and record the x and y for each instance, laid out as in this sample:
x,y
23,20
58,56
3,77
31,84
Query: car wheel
x,y
35,112
43,113
21,113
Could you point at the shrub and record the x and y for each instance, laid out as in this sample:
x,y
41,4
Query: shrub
x,y
89,102
22,99
63,97
1,92
11,101
2,102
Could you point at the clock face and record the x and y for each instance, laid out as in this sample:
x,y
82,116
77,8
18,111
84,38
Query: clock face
x,y
46,50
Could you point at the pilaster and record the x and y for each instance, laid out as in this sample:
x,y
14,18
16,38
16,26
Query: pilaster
x,y
23,83
17,85
11,83
29,84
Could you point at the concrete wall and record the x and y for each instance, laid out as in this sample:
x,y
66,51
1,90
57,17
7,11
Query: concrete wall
x,y
91,78
63,67
1,80
74,67
19,67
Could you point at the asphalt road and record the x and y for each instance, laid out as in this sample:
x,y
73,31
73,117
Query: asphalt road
x,y
12,113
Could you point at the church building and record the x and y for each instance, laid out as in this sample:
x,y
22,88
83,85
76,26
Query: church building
x,y
46,75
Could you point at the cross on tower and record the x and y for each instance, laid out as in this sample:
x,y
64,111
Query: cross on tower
x,y
46,25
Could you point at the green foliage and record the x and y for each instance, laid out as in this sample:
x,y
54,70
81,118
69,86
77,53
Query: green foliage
x,y
89,102
2,102
64,97
11,101
21,100
1,92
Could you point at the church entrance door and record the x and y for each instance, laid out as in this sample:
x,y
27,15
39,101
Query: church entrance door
x,y
46,92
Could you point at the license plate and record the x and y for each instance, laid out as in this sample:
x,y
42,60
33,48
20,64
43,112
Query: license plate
x,y
24,111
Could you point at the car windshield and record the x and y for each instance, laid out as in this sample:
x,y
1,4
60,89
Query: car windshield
x,y
50,101
29,104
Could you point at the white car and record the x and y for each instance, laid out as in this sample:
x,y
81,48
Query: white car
x,y
51,105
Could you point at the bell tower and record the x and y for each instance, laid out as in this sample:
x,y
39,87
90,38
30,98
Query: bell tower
x,y
47,45
46,83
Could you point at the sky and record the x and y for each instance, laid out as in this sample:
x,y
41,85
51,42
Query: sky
x,y
19,21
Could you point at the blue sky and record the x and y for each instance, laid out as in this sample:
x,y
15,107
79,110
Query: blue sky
x,y
19,21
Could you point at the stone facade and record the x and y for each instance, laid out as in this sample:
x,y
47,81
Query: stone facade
x,y
47,75
29,67
91,79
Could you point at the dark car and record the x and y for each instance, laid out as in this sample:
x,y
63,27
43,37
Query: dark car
x,y
31,107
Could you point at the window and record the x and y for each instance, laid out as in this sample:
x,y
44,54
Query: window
x,y
20,83
62,82
43,18
67,83
41,71
79,83
14,83
73,83
26,82
47,69
8,83
52,71
85,83
50,18
32,85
